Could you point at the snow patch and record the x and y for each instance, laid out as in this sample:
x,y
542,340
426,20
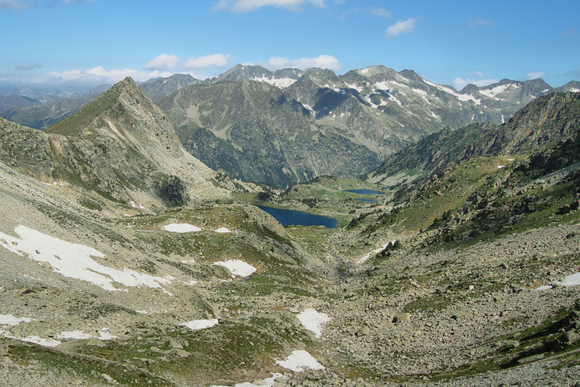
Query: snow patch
x,y
222,230
77,335
461,97
237,267
312,321
181,228
8,319
571,280
366,257
39,341
197,325
280,82
73,260
33,339
574,90
300,360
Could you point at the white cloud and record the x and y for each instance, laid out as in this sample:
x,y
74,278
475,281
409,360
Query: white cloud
x,y
240,6
381,12
100,75
216,60
535,75
163,62
460,83
401,27
321,61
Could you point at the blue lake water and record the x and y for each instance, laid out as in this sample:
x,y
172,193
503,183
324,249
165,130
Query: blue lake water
x,y
363,191
288,217
367,200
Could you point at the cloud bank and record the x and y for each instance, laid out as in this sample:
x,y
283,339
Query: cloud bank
x,y
460,83
241,6
321,61
535,75
166,62
401,27
100,75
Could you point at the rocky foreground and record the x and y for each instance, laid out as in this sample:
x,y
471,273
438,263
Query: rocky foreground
x,y
413,313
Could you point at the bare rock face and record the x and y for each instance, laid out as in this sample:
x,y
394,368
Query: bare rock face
x,y
26,150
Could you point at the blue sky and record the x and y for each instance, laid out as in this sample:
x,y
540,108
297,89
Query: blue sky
x,y
446,42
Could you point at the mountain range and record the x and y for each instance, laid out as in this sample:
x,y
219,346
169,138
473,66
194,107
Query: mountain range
x,y
291,125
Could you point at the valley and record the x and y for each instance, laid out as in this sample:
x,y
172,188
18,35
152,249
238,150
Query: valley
x,y
125,260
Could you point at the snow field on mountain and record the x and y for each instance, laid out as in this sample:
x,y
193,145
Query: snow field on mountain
x,y
73,260
313,321
237,267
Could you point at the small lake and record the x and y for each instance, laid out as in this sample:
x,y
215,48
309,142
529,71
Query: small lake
x,y
367,200
299,218
364,191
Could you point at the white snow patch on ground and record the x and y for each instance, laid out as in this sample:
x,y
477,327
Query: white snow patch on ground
x,y
104,335
309,108
496,90
366,257
237,267
73,260
312,320
571,280
196,325
461,97
39,341
77,335
8,319
393,98
420,92
80,335
222,230
33,339
574,90
181,228
280,82
500,166
355,87
299,360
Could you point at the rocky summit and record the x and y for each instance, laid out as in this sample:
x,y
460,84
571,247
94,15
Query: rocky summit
x,y
124,260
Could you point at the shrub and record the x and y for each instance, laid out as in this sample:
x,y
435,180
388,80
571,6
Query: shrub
x,y
172,190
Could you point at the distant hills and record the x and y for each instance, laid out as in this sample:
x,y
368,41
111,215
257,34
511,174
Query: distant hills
x,y
291,125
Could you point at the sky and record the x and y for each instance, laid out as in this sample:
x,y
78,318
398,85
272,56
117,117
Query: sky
x,y
455,43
